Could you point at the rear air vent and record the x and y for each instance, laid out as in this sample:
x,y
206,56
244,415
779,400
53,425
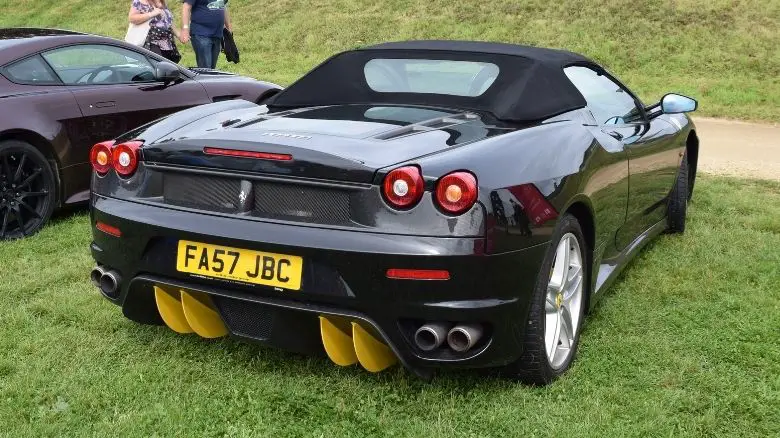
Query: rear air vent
x,y
262,199
301,203
427,125
400,132
202,192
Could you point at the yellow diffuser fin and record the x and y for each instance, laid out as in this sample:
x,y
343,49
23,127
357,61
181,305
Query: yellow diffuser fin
x,y
201,315
171,311
372,353
337,341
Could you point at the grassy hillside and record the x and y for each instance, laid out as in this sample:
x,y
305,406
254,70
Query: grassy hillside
x,y
725,53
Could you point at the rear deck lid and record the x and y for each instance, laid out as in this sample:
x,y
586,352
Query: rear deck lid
x,y
344,143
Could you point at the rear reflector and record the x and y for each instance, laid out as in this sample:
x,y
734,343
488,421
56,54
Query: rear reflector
x,y
108,229
418,274
247,154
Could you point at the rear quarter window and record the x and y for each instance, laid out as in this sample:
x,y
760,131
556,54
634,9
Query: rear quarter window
x,y
32,71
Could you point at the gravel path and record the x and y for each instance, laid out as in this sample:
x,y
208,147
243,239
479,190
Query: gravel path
x,y
742,149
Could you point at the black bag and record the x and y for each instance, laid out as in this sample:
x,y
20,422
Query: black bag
x,y
229,46
156,34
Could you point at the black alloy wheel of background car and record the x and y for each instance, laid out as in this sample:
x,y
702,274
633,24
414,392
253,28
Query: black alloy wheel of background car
x,y
26,195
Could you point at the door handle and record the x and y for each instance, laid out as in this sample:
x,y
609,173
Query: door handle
x,y
615,135
104,104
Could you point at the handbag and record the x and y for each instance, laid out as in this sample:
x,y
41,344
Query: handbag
x,y
137,33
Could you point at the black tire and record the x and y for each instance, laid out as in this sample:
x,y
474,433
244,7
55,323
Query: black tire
x,y
27,190
678,199
533,367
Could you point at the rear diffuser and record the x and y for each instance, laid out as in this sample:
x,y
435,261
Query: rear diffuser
x,y
188,312
337,340
373,354
171,310
201,315
347,342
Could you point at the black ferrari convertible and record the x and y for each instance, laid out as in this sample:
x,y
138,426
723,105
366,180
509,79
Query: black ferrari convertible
x,y
435,203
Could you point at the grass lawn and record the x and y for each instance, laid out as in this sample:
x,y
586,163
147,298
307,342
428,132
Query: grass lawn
x,y
685,344
722,52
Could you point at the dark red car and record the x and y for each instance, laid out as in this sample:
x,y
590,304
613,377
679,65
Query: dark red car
x,y
61,92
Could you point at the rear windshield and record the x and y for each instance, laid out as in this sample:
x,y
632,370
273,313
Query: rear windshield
x,y
431,76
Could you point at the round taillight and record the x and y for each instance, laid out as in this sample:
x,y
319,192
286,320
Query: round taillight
x,y
403,187
100,157
456,192
125,158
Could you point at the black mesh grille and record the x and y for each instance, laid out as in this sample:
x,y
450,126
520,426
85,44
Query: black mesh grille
x,y
246,318
302,203
273,200
202,192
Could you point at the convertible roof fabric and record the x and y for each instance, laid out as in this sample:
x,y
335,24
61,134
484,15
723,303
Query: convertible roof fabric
x,y
530,86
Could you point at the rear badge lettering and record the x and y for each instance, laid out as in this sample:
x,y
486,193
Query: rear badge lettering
x,y
279,134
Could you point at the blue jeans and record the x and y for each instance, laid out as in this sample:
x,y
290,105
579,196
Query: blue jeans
x,y
206,50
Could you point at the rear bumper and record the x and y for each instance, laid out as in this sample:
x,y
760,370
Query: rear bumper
x,y
344,275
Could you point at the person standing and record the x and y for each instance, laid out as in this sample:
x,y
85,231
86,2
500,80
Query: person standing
x,y
161,27
203,22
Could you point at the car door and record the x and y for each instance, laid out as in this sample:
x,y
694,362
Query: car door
x,y
652,157
116,90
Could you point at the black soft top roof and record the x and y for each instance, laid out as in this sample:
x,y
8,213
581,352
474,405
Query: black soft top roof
x,y
530,86
554,57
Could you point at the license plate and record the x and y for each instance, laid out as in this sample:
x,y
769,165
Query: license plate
x,y
237,264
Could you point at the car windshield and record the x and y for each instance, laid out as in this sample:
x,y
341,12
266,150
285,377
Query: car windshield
x,y
430,76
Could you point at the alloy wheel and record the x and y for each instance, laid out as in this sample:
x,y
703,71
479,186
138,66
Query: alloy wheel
x,y
563,301
24,194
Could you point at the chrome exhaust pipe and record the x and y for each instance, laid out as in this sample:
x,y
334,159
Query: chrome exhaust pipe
x,y
109,282
430,336
96,274
464,336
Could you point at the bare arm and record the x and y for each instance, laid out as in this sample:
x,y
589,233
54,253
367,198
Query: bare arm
x,y
186,12
228,24
136,17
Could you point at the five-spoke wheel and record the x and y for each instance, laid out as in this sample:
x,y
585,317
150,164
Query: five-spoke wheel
x,y
551,329
563,305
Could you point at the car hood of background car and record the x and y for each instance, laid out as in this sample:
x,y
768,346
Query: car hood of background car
x,y
209,75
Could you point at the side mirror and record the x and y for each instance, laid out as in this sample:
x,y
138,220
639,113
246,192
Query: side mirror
x,y
676,104
167,72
